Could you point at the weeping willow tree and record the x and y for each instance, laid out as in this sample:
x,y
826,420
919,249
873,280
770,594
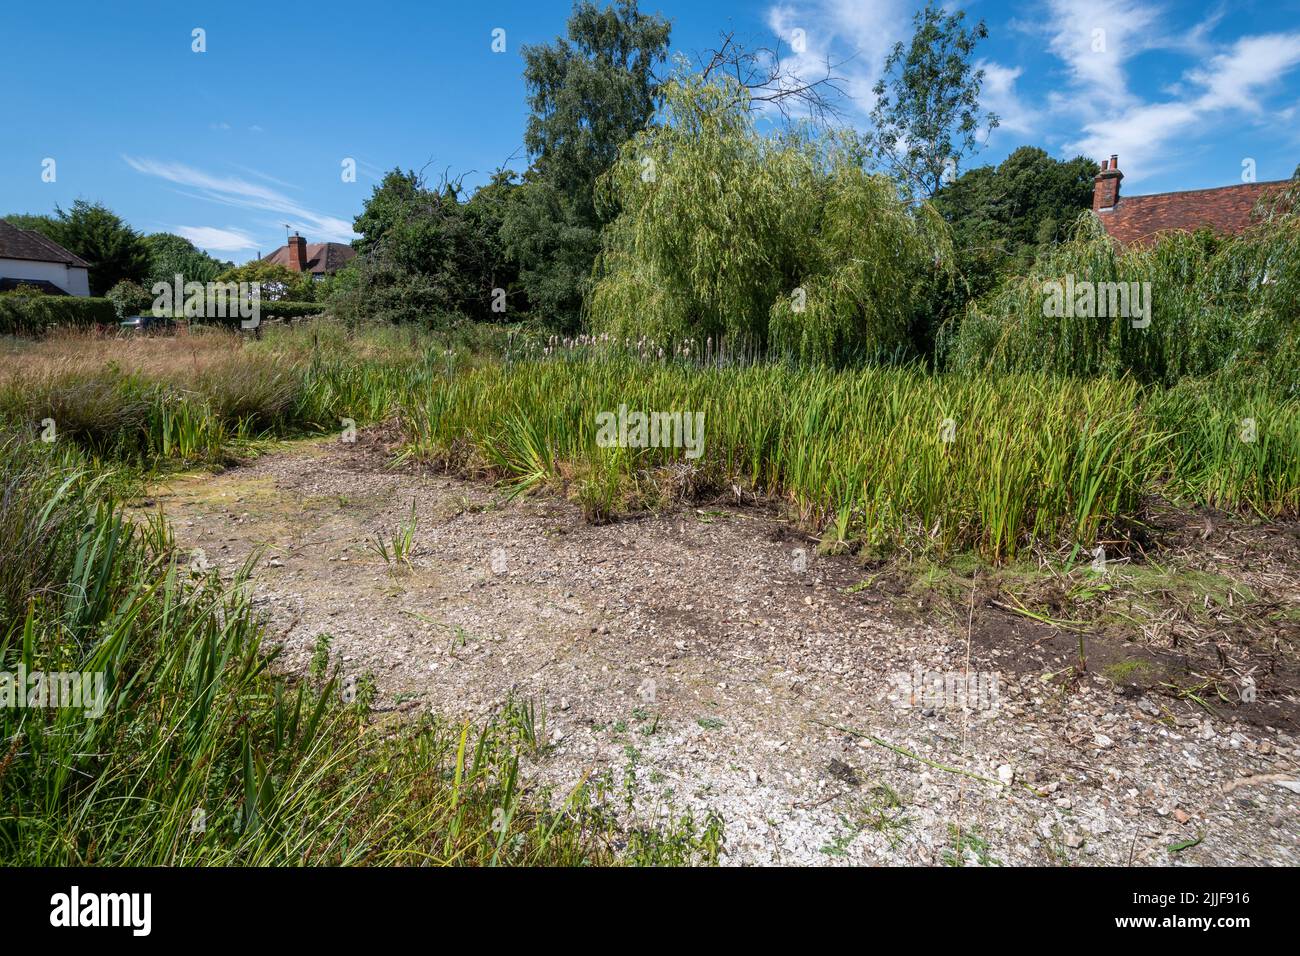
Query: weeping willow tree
x,y
1218,305
780,241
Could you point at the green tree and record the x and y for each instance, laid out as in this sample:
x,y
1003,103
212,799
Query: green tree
x,y
45,225
114,250
389,202
779,242
927,114
170,254
486,212
588,95
427,256
1003,216
279,282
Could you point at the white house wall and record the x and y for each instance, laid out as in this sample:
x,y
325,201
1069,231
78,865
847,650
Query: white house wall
x,y
71,279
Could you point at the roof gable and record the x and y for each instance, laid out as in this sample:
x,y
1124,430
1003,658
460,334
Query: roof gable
x,y
321,256
28,244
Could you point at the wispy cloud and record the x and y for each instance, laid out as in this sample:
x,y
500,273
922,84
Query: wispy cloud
x,y
243,194
1095,39
216,240
1228,89
859,37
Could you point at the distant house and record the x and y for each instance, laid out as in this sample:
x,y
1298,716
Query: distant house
x,y
28,258
318,258
1139,219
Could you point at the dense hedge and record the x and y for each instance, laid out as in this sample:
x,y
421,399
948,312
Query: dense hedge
x,y
276,310
1213,306
290,310
32,314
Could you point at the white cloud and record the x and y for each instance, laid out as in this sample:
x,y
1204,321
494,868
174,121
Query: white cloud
x,y
1101,44
1096,38
999,95
1233,80
1227,88
216,240
240,193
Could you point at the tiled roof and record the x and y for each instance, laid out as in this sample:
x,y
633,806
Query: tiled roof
x,y
321,256
18,243
1138,219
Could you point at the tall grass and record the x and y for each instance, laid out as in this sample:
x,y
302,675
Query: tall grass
x,y
199,396
1238,445
1030,459
1034,458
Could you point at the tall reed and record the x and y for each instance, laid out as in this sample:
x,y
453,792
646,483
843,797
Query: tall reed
x,y
992,463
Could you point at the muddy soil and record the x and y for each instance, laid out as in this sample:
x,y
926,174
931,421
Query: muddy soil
x,y
713,656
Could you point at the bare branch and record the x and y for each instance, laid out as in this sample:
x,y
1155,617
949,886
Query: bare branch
x,y
767,77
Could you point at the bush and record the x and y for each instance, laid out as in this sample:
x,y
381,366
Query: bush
x,y
129,298
290,310
23,315
269,310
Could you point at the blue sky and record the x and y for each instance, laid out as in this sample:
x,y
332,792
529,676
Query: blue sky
x,y
229,145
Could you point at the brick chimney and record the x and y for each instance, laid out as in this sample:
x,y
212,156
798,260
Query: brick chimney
x,y
297,253
1105,188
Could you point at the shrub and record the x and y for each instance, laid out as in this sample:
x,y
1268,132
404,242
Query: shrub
x,y
129,298
23,290
269,310
290,310
24,315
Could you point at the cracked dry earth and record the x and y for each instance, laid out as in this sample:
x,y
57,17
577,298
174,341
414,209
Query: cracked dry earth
x,y
691,638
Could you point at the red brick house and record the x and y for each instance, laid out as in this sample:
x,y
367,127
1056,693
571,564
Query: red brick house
x,y
318,258
1139,219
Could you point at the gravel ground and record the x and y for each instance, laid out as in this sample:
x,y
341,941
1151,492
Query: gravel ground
x,y
730,667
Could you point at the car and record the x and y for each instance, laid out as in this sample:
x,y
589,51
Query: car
x,y
146,323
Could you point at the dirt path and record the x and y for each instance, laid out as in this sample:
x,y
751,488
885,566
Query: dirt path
x,y
694,651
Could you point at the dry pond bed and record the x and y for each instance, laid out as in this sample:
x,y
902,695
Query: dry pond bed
x,y
712,659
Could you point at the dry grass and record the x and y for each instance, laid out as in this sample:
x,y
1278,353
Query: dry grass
x,y
67,353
